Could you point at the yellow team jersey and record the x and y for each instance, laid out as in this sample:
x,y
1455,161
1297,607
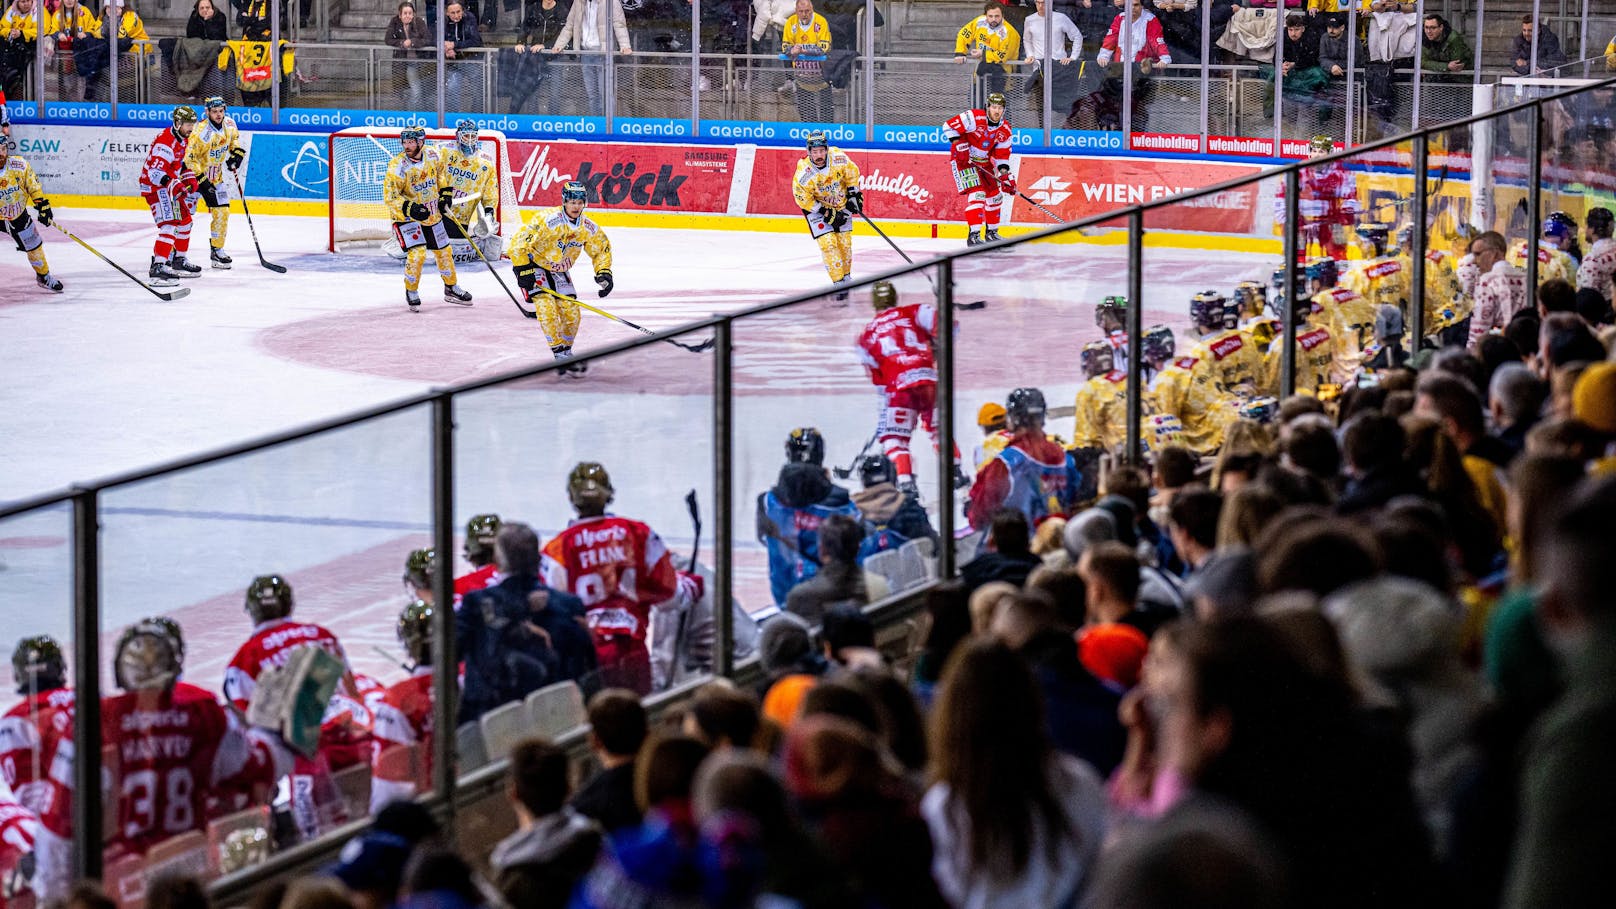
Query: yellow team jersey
x,y
1382,280
1551,262
1336,6
552,241
1232,358
472,179
18,188
1101,418
79,19
825,187
1351,321
1315,359
130,26
254,72
1185,389
999,45
1260,332
816,33
413,181
1445,304
15,20
209,146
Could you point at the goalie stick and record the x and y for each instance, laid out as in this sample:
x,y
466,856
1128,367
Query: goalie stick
x,y
165,295
242,194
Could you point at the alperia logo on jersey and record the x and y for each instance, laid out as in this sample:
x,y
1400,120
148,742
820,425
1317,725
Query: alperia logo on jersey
x,y
1226,346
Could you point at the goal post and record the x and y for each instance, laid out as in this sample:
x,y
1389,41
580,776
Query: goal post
x,y
357,159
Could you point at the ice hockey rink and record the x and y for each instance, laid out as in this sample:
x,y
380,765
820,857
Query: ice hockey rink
x,y
105,379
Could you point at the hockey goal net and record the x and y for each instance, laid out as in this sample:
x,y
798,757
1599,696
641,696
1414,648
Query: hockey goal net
x,y
358,158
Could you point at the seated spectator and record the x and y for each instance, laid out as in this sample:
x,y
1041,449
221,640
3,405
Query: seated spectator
x,y
1549,54
205,22
617,729
1114,652
1174,468
658,862
1373,448
1443,51
723,717
1019,824
1193,525
1008,556
1303,68
1204,853
1593,403
847,639
1315,555
1565,339
839,579
1555,295
949,622
1110,573
1333,47
19,42
1246,512
1225,586
554,846
1515,398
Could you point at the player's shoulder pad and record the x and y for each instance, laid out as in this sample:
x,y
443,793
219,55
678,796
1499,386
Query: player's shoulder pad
x,y
553,218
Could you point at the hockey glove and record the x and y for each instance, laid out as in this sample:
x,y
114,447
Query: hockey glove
x,y
839,219
237,155
46,216
165,181
962,152
445,200
415,211
855,201
604,279
1007,183
524,277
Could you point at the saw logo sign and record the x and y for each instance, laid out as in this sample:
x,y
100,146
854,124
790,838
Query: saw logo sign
x,y
1050,191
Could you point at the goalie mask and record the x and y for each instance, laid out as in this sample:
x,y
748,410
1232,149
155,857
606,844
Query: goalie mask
x,y
589,487
38,665
480,533
419,567
269,597
145,659
466,136
1097,358
415,632
172,629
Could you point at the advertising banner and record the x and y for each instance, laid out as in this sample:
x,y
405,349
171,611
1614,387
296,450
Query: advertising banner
x,y
101,162
898,186
1082,188
286,166
673,178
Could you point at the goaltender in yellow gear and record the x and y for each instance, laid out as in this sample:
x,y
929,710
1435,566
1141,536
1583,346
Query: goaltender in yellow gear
x,y
416,196
542,255
826,188
18,188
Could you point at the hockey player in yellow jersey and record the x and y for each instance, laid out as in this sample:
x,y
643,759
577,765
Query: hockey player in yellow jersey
x,y
19,188
1101,413
1552,261
826,188
1349,317
1315,358
416,198
1236,367
543,253
1260,328
476,192
214,146
1379,277
1183,387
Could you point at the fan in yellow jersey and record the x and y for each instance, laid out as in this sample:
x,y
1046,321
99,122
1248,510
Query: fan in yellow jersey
x,y
542,254
214,146
1183,387
826,188
476,192
1101,413
416,197
18,188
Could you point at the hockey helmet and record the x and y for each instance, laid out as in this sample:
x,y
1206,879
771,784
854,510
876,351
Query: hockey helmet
x,y
466,134
883,295
1207,309
1601,221
995,98
185,113
1112,309
214,103
415,631
172,628
589,486
38,665
990,414
480,533
816,139
269,597
876,468
1157,344
145,659
1319,146
418,133
1260,410
1252,297
420,566
574,191
804,445
1560,227
1025,408
1097,358
1323,270
1372,239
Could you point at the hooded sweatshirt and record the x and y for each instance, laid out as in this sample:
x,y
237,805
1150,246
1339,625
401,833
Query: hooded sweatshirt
x,y
540,866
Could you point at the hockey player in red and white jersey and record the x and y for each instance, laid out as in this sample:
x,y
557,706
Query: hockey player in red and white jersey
x,y
619,568
896,348
170,190
979,141
1327,203
481,531
26,788
404,715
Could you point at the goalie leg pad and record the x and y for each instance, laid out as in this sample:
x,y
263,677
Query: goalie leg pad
x,y
492,246
409,234
23,230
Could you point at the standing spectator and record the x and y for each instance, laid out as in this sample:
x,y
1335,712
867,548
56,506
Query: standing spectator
x,y
541,25
1443,51
1549,54
1142,35
806,40
1181,27
206,22
70,24
19,42
407,35
554,846
460,34
617,729
1500,291
995,46
839,579
1092,17
590,30
769,24
1067,46
1393,40
1017,824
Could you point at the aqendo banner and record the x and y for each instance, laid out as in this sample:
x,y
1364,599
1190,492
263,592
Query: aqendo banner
x,y
901,186
1082,188
673,178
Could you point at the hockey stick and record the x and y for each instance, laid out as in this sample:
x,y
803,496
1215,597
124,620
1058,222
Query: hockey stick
x,y
693,348
1085,231
167,295
974,304
695,518
242,194
465,232
843,473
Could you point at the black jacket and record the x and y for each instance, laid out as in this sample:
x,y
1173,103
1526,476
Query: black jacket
x,y
210,29
1082,710
504,659
995,566
1377,487
608,797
